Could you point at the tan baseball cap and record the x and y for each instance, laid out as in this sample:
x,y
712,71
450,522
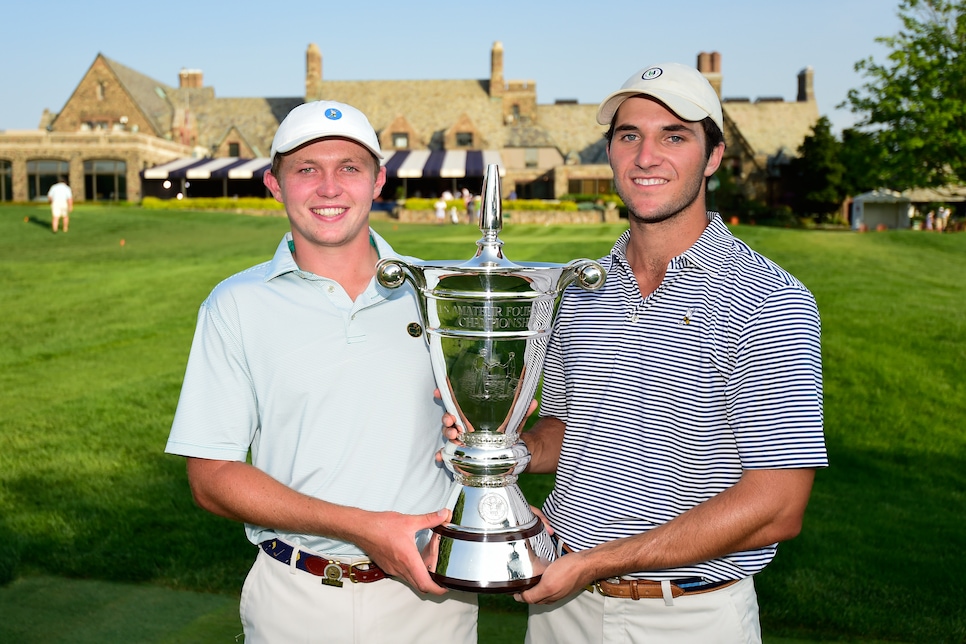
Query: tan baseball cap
x,y
684,90
322,119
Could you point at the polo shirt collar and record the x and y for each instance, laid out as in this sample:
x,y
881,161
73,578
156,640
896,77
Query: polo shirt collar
x,y
708,252
283,261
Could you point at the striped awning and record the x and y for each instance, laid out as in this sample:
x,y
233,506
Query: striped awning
x,y
444,164
207,168
401,164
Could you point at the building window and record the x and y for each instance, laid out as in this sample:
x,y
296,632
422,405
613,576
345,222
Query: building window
x,y
43,173
6,181
590,187
234,149
531,158
105,180
464,139
400,140
101,90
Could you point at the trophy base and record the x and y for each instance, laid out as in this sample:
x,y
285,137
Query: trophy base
x,y
491,562
484,587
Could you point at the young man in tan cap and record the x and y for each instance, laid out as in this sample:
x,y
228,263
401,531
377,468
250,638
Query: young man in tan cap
x,y
305,365
682,403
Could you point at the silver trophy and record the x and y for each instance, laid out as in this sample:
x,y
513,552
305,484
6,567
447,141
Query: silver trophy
x,y
488,322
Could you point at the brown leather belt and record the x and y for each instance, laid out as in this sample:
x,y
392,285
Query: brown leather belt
x,y
647,589
332,572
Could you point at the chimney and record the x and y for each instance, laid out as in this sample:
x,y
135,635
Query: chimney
x,y
806,90
496,69
313,73
189,78
704,62
709,64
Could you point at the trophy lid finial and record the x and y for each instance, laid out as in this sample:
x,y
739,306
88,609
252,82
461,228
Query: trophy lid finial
x,y
489,248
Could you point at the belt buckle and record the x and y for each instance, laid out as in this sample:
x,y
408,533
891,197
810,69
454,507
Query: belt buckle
x,y
332,574
358,567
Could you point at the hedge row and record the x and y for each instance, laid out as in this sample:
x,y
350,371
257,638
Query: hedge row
x,y
516,204
260,203
212,203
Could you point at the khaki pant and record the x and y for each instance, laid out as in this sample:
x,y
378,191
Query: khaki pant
x,y
283,605
725,616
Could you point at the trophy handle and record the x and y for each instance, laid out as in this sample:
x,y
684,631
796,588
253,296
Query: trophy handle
x,y
587,274
392,273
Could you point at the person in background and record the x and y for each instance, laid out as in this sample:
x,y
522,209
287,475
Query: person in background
x,y
439,207
467,198
61,199
341,488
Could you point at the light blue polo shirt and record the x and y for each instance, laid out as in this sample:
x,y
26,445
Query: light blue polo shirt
x,y
333,398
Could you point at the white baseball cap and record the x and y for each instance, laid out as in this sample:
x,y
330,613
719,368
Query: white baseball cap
x,y
684,90
322,119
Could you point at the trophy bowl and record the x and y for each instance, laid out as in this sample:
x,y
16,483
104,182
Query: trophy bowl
x,y
488,323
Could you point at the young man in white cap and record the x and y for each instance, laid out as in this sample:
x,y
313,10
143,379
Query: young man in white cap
x,y
321,377
682,403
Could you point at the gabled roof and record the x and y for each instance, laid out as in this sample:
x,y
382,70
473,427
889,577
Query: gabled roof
x,y
255,119
769,126
574,130
152,97
430,106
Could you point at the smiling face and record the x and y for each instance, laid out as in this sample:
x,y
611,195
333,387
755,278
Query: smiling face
x,y
659,162
327,187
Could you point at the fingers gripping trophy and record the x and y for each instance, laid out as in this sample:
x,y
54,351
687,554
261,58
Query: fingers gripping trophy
x,y
488,322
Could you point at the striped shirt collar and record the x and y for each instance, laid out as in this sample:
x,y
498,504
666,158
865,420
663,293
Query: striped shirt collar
x,y
708,252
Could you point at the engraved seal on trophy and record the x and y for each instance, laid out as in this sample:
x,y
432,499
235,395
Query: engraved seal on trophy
x,y
493,508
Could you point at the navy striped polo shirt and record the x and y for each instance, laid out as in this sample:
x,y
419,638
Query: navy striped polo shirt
x,y
666,399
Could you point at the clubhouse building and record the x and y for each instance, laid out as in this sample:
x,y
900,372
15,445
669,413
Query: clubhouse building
x,y
122,135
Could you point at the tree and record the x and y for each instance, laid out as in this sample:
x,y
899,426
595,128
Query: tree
x,y
915,103
865,162
818,173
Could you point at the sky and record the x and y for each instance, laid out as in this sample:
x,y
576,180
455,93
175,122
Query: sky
x,y
572,50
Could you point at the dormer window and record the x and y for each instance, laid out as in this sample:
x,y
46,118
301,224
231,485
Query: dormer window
x,y
400,140
464,139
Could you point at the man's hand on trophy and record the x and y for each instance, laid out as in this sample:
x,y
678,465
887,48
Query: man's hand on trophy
x,y
562,578
451,432
543,519
390,540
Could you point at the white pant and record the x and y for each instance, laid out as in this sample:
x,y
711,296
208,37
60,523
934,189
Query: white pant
x,y
59,209
725,616
279,607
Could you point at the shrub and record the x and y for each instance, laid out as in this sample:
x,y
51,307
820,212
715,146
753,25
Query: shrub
x,y
212,203
516,204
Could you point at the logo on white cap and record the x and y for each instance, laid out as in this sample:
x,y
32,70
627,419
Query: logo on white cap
x,y
652,73
333,114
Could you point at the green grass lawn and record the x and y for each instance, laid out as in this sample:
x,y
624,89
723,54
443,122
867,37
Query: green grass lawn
x,y
103,543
